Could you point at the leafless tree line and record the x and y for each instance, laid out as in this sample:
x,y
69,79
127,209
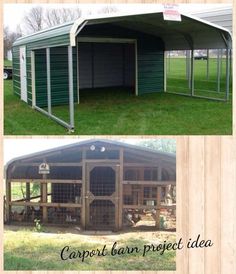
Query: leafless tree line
x,y
39,18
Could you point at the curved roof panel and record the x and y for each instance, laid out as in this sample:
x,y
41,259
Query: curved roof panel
x,y
189,33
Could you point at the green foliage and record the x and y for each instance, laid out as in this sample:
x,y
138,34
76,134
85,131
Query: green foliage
x,y
38,225
165,145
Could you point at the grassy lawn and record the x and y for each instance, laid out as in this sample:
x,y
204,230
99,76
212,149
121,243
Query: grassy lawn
x,y
118,112
177,81
7,63
25,249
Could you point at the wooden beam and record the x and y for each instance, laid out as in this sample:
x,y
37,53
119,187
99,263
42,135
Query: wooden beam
x,y
151,183
41,181
120,192
50,164
44,200
27,196
158,207
140,165
27,191
8,200
150,207
44,196
101,161
83,190
31,198
45,204
116,199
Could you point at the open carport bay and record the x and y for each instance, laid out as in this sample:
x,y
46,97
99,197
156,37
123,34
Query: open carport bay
x,y
113,112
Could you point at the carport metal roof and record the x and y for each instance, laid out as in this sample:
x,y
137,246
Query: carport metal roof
x,y
190,33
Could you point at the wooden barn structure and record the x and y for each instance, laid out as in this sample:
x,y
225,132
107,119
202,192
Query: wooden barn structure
x,y
95,184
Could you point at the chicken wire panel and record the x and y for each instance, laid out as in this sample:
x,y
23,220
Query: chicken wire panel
x,y
64,193
101,215
209,74
102,181
140,195
140,173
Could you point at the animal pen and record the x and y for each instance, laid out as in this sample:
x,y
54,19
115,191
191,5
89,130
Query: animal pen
x,y
96,185
54,66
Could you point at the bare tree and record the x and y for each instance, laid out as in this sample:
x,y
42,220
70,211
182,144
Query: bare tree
x,y
108,9
9,37
55,17
33,20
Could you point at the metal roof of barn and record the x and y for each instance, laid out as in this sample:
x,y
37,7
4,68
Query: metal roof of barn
x,y
156,153
190,32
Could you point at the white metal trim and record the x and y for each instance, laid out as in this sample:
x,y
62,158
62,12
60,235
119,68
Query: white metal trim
x,y
32,54
23,78
71,88
77,59
50,46
48,80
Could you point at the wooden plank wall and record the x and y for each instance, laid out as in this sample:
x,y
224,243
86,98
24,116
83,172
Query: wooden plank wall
x,y
206,203
206,193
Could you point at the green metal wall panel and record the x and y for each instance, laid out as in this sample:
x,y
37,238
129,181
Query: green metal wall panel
x,y
40,78
150,66
16,70
29,76
50,42
150,63
59,76
45,42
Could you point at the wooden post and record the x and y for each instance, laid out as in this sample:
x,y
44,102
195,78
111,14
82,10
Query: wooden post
x,y
116,200
44,198
120,192
158,207
8,200
27,197
159,178
83,208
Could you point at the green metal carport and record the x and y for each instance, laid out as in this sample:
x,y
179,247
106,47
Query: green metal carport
x,y
51,66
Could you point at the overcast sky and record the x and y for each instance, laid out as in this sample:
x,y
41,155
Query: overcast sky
x,y
14,13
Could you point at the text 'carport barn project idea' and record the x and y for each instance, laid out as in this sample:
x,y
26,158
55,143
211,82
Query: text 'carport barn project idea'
x,y
50,67
95,184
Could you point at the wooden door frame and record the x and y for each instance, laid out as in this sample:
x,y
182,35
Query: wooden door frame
x,y
114,198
